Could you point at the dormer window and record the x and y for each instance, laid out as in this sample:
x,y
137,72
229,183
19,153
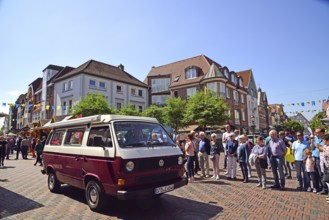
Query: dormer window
x,y
191,73
233,78
226,73
240,82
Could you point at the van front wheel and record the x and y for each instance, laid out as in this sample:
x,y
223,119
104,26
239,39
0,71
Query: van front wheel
x,y
53,184
95,197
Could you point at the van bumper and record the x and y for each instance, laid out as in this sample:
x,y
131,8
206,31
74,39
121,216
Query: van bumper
x,y
146,193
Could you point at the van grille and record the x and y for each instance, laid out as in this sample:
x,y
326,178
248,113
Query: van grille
x,y
144,164
155,178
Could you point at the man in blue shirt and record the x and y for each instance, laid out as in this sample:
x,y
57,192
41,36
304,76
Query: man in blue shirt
x,y
298,148
204,151
318,141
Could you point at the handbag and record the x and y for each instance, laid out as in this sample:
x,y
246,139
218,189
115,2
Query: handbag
x,y
263,163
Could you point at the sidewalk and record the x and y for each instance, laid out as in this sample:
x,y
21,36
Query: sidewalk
x,y
24,195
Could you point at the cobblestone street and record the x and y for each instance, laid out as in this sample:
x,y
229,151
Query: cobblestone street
x,y
24,195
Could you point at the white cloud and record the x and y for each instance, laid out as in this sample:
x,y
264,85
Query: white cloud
x,y
15,93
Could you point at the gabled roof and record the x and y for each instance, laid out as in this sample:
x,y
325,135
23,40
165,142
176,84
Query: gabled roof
x,y
213,72
178,68
246,76
298,116
64,71
96,68
36,84
53,67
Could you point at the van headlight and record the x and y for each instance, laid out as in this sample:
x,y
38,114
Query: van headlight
x,y
130,166
180,160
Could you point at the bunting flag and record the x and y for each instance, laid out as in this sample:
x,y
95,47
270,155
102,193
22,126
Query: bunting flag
x,y
4,104
47,107
313,102
303,104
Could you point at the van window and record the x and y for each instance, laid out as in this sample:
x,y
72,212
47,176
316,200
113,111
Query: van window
x,y
74,136
57,137
100,137
139,134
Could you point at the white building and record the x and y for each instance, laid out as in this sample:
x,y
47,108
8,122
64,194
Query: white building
x,y
252,104
116,85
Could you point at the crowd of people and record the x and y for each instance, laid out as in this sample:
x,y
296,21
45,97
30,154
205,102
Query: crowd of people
x,y
22,145
281,152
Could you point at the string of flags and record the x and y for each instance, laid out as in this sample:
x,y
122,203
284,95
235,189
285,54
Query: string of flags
x,y
52,107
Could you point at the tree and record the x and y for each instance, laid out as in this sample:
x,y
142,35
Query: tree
x,y
316,121
129,110
293,126
174,113
92,104
205,109
155,112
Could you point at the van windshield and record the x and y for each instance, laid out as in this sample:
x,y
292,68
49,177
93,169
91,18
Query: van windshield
x,y
139,134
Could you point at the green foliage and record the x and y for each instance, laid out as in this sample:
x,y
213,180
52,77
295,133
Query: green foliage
x,y
316,121
129,110
155,112
174,113
92,104
293,126
205,109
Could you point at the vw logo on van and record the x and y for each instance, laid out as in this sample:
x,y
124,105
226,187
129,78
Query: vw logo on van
x,y
161,163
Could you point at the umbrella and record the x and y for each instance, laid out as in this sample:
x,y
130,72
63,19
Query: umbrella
x,y
11,134
3,114
325,120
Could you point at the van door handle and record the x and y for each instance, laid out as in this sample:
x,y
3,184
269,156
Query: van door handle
x,y
77,158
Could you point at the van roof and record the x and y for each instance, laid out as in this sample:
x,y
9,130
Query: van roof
x,y
99,119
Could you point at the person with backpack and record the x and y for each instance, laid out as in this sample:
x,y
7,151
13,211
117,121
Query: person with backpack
x,y
261,150
250,146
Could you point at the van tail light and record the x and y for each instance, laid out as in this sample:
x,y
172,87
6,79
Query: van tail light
x,y
121,182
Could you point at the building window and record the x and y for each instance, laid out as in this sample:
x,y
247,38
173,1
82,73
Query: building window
x,y
243,115
70,104
140,108
212,86
236,97
191,73
233,78
133,91
160,85
102,85
226,73
228,93
190,91
140,93
229,113
65,86
242,98
237,117
240,82
92,83
176,94
119,89
222,89
70,85
159,100
119,105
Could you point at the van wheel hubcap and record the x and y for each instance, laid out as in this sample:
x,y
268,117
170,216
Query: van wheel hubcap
x,y
51,181
93,195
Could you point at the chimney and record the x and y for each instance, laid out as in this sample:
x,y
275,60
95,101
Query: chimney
x,y
121,67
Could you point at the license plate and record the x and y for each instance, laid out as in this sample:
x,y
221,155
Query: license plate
x,y
163,189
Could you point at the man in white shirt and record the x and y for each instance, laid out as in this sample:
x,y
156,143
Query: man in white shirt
x,y
226,138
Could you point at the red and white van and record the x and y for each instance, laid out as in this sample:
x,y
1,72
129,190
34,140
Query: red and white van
x,y
112,155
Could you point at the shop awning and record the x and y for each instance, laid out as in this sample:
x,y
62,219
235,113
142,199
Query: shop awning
x,y
189,128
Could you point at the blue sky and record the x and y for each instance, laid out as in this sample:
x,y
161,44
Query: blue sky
x,y
285,43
